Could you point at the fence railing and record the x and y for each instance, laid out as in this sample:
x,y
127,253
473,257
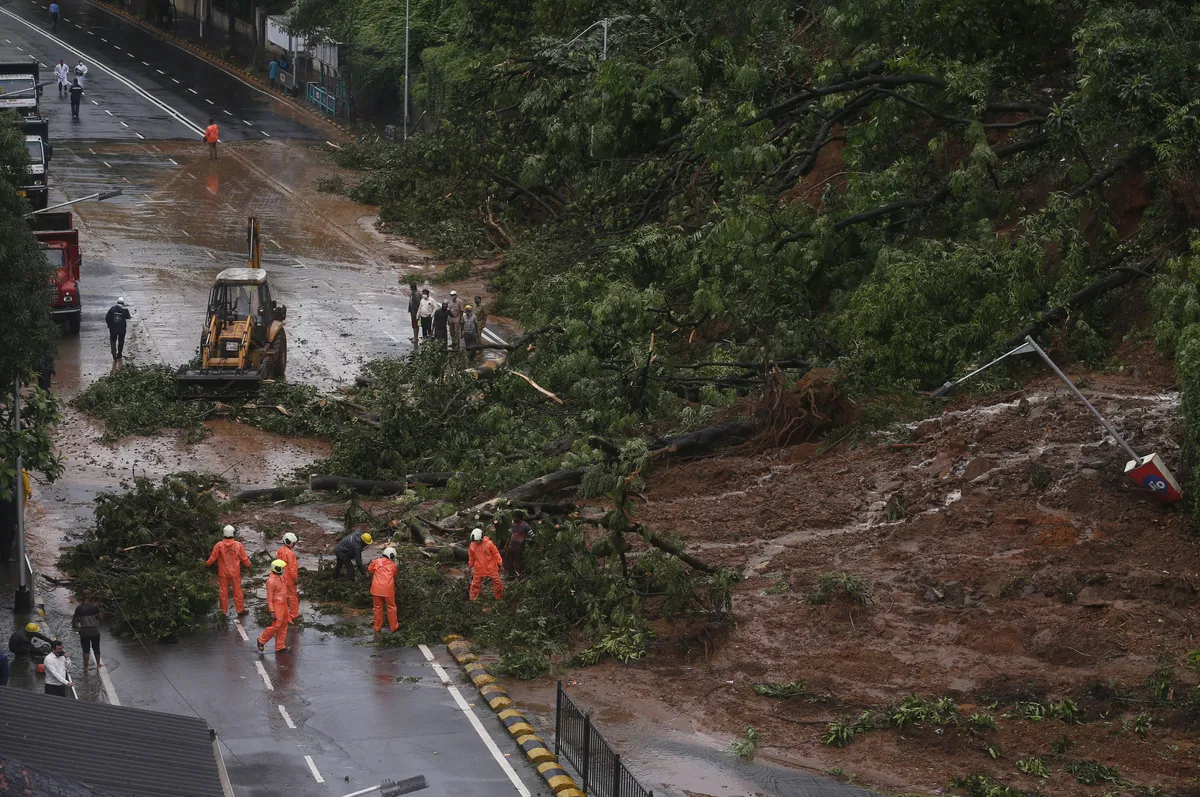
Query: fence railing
x,y
599,767
323,98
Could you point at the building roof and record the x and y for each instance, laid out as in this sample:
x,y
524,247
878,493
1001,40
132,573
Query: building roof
x,y
255,275
119,751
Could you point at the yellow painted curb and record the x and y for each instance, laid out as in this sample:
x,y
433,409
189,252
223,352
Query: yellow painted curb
x,y
493,689
482,679
520,729
500,702
448,638
572,792
510,712
560,783
473,667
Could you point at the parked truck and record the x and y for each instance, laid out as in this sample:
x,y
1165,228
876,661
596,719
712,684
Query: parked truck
x,y
37,143
20,87
60,242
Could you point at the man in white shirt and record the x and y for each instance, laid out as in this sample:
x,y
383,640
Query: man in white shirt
x,y
62,73
425,314
81,71
57,664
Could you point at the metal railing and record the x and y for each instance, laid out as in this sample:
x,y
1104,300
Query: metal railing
x,y
323,98
577,740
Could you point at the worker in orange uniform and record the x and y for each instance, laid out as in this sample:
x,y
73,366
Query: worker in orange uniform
x,y
484,560
212,134
277,602
230,555
383,589
291,574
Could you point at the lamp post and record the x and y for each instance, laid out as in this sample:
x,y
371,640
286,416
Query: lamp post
x,y
406,7
23,603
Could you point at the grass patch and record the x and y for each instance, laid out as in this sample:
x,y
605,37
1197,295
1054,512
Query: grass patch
x,y
834,585
782,691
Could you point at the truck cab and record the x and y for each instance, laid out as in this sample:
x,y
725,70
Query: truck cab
x,y
19,89
36,187
60,241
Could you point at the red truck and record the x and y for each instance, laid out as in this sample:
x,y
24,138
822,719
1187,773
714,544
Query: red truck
x,y
60,242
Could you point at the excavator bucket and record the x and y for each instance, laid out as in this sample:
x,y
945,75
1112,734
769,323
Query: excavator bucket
x,y
243,341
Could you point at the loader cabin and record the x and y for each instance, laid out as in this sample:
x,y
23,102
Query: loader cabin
x,y
240,311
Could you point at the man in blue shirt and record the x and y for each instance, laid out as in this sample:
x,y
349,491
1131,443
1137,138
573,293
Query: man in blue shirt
x,y
54,16
273,71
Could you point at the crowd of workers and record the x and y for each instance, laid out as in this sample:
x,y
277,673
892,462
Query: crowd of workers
x,y
452,323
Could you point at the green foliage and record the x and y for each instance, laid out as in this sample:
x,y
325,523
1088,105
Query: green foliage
x,y
916,709
1034,766
457,271
144,556
523,665
983,786
1093,773
982,722
782,690
831,586
842,732
39,413
746,747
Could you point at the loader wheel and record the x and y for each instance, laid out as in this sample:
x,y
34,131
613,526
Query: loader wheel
x,y
281,356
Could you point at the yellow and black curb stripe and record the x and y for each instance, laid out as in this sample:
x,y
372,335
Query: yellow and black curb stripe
x,y
217,61
519,728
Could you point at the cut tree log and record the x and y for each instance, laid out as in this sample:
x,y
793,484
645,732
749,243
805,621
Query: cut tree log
x,y
704,441
370,486
674,550
271,494
536,386
543,485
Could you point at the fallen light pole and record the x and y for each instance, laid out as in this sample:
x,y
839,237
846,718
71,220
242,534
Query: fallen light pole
x,y
99,197
393,788
1149,471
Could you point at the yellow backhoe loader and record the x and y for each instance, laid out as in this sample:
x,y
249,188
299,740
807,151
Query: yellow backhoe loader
x,y
243,341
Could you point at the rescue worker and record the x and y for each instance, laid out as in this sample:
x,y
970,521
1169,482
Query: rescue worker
x,y
76,92
291,575
514,549
277,602
455,306
230,555
349,553
212,134
115,319
484,560
23,642
383,589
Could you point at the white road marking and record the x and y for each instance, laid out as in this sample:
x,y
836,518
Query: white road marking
x,y
172,160
109,165
391,337
247,123
175,80
131,55
313,767
145,63
104,40
265,133
287,718
95,103
108,687
124,124
194,91
266,678
241,629
139,135
159,71
120,78
492,336
476,724
227,113
210,254
91,150
110,113
91,33
189,235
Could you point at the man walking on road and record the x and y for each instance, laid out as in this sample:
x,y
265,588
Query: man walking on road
x,y
273,73
81,71
484,560
456,312
230,555
414,308
348,553
116,317
57,664
277,602
62,73
76,92
54,16
87,622
290,575
212,134
383,589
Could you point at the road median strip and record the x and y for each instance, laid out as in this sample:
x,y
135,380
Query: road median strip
x,y
536,750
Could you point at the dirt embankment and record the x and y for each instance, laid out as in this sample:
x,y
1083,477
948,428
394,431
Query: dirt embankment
x,y
1010,561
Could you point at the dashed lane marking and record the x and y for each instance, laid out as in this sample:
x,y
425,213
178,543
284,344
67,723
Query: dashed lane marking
x,y
247,123
172,160
175,79
476,724
227,113
266,678
287,717
240,628
313,768
145,63
189,235
91,150
159,71
194,91
139,135
110,113
109,165
124,124
265,133
210,254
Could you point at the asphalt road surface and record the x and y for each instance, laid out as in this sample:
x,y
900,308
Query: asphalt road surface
x,y
338,714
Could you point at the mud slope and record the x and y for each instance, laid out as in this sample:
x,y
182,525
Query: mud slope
x,y
1010,560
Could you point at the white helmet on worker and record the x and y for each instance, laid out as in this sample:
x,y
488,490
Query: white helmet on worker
x,y
228,531
290,539
121,300
476,535
390,553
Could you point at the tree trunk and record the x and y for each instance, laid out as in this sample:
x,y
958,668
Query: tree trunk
x,y
704,441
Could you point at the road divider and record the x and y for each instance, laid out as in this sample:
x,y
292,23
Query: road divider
x,y
515,723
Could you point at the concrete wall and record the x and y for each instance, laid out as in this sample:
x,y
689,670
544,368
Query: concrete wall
x,y
220,21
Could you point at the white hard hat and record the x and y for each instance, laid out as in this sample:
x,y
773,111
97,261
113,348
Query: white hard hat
x,y
454,293
228,531
476,535
121,301
390,553
290,538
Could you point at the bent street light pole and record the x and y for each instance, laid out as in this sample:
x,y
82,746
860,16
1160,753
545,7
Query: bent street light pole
x,y
23,603
406,4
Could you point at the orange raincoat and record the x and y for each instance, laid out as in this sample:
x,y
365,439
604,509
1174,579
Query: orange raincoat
x,y
277,601
290,576
484,560
383,592
230,555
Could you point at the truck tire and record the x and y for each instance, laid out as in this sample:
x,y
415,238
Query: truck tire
x,y
74,321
